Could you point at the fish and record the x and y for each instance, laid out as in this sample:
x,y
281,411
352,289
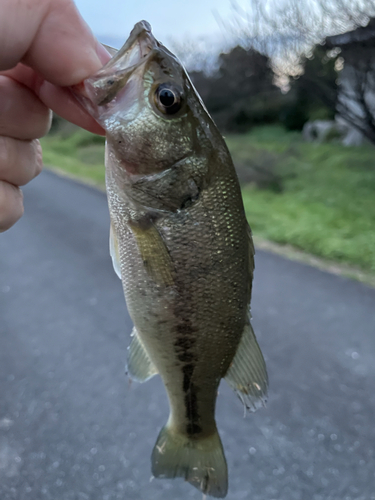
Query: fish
x,y
182,246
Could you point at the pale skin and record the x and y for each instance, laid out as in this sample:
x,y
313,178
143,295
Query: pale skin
x,y
45,46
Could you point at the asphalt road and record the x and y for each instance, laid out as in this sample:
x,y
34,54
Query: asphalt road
x,y
73,428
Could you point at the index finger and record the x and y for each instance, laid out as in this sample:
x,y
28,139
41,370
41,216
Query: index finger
x,y
57,98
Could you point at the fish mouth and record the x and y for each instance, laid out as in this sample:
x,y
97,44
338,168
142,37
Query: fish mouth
x,y
140,43
101,88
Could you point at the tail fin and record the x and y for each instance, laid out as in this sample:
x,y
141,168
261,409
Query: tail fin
x,y
200,461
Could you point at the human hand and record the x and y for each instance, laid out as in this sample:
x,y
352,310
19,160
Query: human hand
x,y
45,46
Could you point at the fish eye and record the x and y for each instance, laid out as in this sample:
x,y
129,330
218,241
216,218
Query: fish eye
x,y
168,99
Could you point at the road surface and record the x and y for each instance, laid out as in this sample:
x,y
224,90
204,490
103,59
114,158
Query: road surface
x,y
73,428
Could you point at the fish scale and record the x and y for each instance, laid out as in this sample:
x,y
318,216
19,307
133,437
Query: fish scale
x,y
181,244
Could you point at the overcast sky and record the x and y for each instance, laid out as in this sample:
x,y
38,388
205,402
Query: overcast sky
x,y
173,18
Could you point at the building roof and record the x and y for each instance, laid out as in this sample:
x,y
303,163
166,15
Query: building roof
x,y
365,35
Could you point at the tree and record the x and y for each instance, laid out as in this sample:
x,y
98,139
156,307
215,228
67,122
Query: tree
x,y
314,92
241,92
289,32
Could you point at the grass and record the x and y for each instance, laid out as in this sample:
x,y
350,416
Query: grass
x,y
76,152
327,202
323,202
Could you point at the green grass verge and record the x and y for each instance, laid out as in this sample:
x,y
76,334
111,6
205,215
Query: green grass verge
x,y
327,204
77,153
324,203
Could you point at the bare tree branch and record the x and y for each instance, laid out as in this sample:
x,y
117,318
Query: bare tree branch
x,y
288,32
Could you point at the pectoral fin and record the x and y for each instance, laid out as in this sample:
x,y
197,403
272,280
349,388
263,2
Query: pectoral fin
x,y
140,367
247,374
114,251
154,252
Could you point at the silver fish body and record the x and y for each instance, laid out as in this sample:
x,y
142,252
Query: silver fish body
x,y
181,244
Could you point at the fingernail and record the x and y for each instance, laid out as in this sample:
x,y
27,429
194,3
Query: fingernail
x,y
102,53
95,58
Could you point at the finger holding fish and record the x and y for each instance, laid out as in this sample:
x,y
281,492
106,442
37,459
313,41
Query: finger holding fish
x,y
46,45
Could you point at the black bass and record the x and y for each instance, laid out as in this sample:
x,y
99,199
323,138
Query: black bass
x,y
182,246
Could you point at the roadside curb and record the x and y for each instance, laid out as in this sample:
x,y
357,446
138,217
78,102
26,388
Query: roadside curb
x,y
293,253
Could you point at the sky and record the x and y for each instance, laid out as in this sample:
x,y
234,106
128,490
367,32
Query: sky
x,y
176,19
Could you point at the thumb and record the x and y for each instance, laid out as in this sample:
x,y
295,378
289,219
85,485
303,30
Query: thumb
x,y
51,37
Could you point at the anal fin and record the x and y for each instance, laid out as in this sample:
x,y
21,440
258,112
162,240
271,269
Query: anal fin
x,y
139,367
247,374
